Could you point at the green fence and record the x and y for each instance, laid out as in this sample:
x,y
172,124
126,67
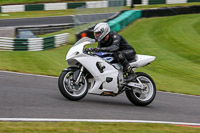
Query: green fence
x,y
20,44
48,42
137,1
193,1
35,7
116,3
75,5
151,2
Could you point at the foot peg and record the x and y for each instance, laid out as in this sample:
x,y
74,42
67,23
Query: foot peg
x,y
130,77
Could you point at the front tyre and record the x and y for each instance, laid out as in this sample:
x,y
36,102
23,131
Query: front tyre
x,y
142,97
71,90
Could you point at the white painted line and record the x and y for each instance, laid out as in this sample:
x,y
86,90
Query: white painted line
x,y
173,93
26,74
95,120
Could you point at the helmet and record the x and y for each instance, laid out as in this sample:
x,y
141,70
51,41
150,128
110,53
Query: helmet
x,y
101,30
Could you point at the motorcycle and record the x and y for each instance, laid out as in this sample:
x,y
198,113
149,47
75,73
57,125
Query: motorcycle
x,y
98,73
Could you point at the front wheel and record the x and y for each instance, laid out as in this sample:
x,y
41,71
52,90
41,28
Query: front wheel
x,y
144,96
71,90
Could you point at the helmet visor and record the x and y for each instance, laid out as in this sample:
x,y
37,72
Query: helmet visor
x,y
97,35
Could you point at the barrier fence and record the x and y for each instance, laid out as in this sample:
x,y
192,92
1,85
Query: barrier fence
x,y
33,44
94,12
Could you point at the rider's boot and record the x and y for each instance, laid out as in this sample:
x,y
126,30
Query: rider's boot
x,y
131,75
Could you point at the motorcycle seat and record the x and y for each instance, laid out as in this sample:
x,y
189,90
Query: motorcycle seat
x,y
142,60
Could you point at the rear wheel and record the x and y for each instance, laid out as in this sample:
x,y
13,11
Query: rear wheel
x,y
145,96
71,90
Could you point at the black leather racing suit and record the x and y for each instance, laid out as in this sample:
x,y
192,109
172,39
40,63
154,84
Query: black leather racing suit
x,y
123,51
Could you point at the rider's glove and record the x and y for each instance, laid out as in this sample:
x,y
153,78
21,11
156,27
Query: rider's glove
x,y
103,49
96,49
92,49
88,49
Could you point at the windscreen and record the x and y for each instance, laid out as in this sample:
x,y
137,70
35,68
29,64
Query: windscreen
x,y
85,39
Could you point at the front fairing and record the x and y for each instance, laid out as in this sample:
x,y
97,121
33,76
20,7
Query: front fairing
x,y
94,65
78,47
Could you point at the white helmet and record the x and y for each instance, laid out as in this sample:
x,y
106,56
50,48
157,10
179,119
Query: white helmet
x,y
101,30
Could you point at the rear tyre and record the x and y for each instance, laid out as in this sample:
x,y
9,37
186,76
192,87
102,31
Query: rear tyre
x,y
69,89
142,97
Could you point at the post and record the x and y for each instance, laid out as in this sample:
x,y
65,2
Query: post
x,y
132,3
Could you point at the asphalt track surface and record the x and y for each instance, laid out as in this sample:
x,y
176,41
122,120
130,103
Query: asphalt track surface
x,y
35,21
51,20
32,96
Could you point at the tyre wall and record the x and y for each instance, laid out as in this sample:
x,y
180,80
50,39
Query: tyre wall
x,y
89,4
33,44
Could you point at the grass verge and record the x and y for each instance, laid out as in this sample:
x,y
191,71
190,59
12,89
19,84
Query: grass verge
x,y
88,127
32,14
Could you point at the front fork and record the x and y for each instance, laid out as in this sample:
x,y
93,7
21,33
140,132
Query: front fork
x,y
77,75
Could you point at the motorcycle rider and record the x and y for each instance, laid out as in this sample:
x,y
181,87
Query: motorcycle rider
x,y
110,41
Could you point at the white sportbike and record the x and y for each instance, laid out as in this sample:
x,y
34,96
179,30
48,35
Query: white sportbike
x,y
96,73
